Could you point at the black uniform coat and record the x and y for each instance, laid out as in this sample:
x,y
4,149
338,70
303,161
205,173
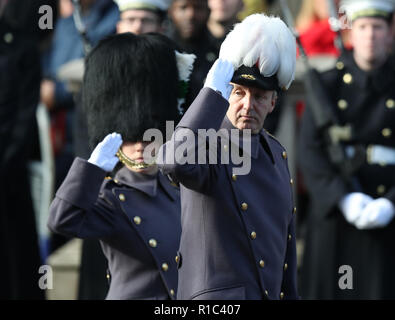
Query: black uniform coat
x,y
206,50
20,77
238,236
366,101
137,219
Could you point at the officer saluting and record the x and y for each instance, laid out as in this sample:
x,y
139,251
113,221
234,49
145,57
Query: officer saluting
x,y
135,212
353,225
238,231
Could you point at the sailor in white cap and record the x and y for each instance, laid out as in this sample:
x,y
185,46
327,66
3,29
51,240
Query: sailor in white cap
x,y
354,225
238,231
142,16
367,8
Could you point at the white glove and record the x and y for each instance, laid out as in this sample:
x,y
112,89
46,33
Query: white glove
x,y
219,76
353,204
377,214
104,154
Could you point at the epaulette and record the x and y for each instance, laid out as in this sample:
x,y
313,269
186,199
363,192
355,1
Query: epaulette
x,y
270,135
274,138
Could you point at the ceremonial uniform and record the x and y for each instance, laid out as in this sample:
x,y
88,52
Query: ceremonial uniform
x,y
238,232
137,219
366,101
136,215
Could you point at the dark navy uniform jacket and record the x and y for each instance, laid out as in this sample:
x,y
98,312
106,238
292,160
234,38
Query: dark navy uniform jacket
x,y
137,219
238,232
366,102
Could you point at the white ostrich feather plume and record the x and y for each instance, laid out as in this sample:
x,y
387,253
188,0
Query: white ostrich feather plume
x,y
266,40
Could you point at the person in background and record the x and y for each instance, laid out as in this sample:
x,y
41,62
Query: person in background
x,y
100,18
189,30
350,225
314,29
223,16
20,75
141,17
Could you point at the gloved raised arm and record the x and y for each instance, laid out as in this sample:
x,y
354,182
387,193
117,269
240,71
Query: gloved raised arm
x,y
219,77
103,155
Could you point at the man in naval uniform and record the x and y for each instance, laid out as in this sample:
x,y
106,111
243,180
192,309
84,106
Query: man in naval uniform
x,y
351,229
141,16
238,230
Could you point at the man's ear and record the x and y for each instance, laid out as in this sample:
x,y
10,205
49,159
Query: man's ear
x,y
274,100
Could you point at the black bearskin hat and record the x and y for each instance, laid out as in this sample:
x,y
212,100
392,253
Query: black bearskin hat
x,y
130,85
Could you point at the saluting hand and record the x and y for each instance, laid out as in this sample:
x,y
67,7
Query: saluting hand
x,y
219,77
103,155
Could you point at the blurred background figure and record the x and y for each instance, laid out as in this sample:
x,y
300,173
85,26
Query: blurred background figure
x,y
140,17
100,18
255,6
223,15
349,252
68,124
20,41
313,26
189,30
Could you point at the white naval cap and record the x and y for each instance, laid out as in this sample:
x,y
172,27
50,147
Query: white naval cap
x,y
155,5
367,8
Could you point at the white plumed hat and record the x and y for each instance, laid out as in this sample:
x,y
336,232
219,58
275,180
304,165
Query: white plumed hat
x,y
263,52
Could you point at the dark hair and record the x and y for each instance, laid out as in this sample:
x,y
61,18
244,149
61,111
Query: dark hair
x,y
130,85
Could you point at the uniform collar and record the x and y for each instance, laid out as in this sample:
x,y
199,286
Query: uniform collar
x,y
380,78
256,140
168,187
359,76
143,182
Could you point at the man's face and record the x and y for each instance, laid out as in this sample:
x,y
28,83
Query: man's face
x,y
189,17
371,39
248,107
139,22
225,10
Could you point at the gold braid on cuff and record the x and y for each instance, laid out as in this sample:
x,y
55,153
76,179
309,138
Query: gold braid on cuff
x,y
131,163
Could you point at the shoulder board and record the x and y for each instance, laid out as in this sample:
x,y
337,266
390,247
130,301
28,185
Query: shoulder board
x,y
274,138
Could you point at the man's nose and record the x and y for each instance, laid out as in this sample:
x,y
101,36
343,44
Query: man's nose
x,y
248,103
